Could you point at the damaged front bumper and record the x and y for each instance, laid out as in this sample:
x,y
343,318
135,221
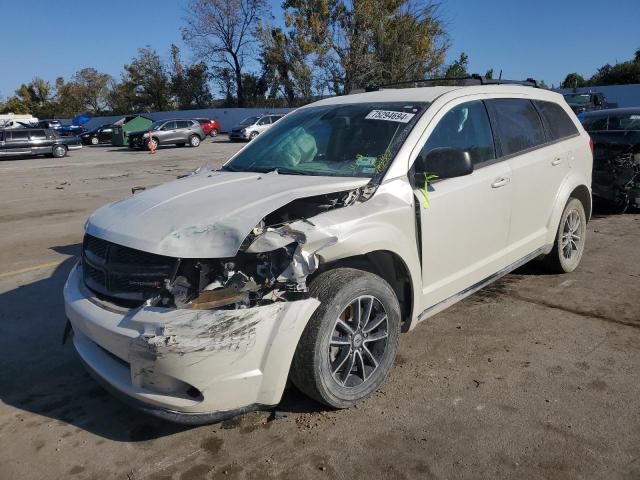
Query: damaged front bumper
x,y
188,366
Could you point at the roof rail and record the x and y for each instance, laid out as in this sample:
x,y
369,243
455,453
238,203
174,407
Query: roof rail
x,y
473,79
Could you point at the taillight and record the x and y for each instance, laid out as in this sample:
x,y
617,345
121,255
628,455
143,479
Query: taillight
x,y
591,144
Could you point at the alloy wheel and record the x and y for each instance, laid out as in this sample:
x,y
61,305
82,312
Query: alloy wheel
x,y
358,341
571,239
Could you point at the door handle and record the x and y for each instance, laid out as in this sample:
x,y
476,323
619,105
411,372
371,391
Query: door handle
x,y
500,182
557,161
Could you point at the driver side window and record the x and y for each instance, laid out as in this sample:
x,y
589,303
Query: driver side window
x,y
465,127
264,121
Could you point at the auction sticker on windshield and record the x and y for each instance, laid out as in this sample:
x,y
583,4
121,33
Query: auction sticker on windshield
x,y
389,116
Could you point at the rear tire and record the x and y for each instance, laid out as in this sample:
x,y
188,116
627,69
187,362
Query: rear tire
x,y
349,345
194,141
94,141
570,239
59,151
213,133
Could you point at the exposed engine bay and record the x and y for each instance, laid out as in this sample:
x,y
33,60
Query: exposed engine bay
x,y
616,175
271,265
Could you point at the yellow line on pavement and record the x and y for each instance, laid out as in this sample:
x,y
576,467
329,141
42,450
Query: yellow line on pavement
x,y
31,269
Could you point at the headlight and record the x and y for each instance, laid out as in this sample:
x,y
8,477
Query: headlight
x,y
243,131
145,135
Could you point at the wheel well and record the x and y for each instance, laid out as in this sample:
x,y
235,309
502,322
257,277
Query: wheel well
x,y
582,193
387,265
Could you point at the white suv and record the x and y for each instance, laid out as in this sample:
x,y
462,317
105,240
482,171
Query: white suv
x,y
303,258
251,127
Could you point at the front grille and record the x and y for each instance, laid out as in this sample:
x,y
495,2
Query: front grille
x,y
124,275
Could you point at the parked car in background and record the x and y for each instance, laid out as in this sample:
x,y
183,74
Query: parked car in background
x,y
71,130
168,132
616,163
586,101
101,134
303,258
36,141
50,124
251,127
210,127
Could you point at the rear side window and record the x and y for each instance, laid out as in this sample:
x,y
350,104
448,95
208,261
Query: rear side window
x,y
465,127
517,124
594,123
625,122
183,124
19,135
556,120
203,121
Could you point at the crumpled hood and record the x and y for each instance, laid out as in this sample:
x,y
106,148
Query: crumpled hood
x,y
207,215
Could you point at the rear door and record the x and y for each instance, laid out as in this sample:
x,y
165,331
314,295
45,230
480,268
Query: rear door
x,y
465,225
40,142
537,166
17,142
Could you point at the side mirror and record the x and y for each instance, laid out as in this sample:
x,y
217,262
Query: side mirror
x,y
443,163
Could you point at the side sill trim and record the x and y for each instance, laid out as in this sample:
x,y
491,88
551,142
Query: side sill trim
x,y
447,302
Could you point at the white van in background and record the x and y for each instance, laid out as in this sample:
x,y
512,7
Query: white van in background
x,y
10,120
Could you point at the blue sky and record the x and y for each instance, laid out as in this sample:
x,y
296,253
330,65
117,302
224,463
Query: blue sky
x,y
545,39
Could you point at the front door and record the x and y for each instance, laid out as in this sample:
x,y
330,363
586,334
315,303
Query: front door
x,y
168,133
465,223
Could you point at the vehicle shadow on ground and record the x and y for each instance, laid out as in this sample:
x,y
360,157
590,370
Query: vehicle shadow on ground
x,y
41,376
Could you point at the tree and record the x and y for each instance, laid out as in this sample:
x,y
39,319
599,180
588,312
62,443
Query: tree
x,y
624,73
489,73
573,80
34,98
368,41
223,31
94,87
190,86
284,66
144,86
459,67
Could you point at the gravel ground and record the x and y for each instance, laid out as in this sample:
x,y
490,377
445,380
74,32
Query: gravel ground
x,y
533,377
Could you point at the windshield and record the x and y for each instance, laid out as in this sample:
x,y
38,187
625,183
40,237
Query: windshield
x,y
249,120
351,140
156,125
577,98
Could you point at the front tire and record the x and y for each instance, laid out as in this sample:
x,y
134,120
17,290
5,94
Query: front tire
x,y
94,141
253,135
194,141
570,239
349,345
153,141
213,133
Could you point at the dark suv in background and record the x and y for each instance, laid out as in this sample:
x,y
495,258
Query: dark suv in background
x,y
35,141
168,132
